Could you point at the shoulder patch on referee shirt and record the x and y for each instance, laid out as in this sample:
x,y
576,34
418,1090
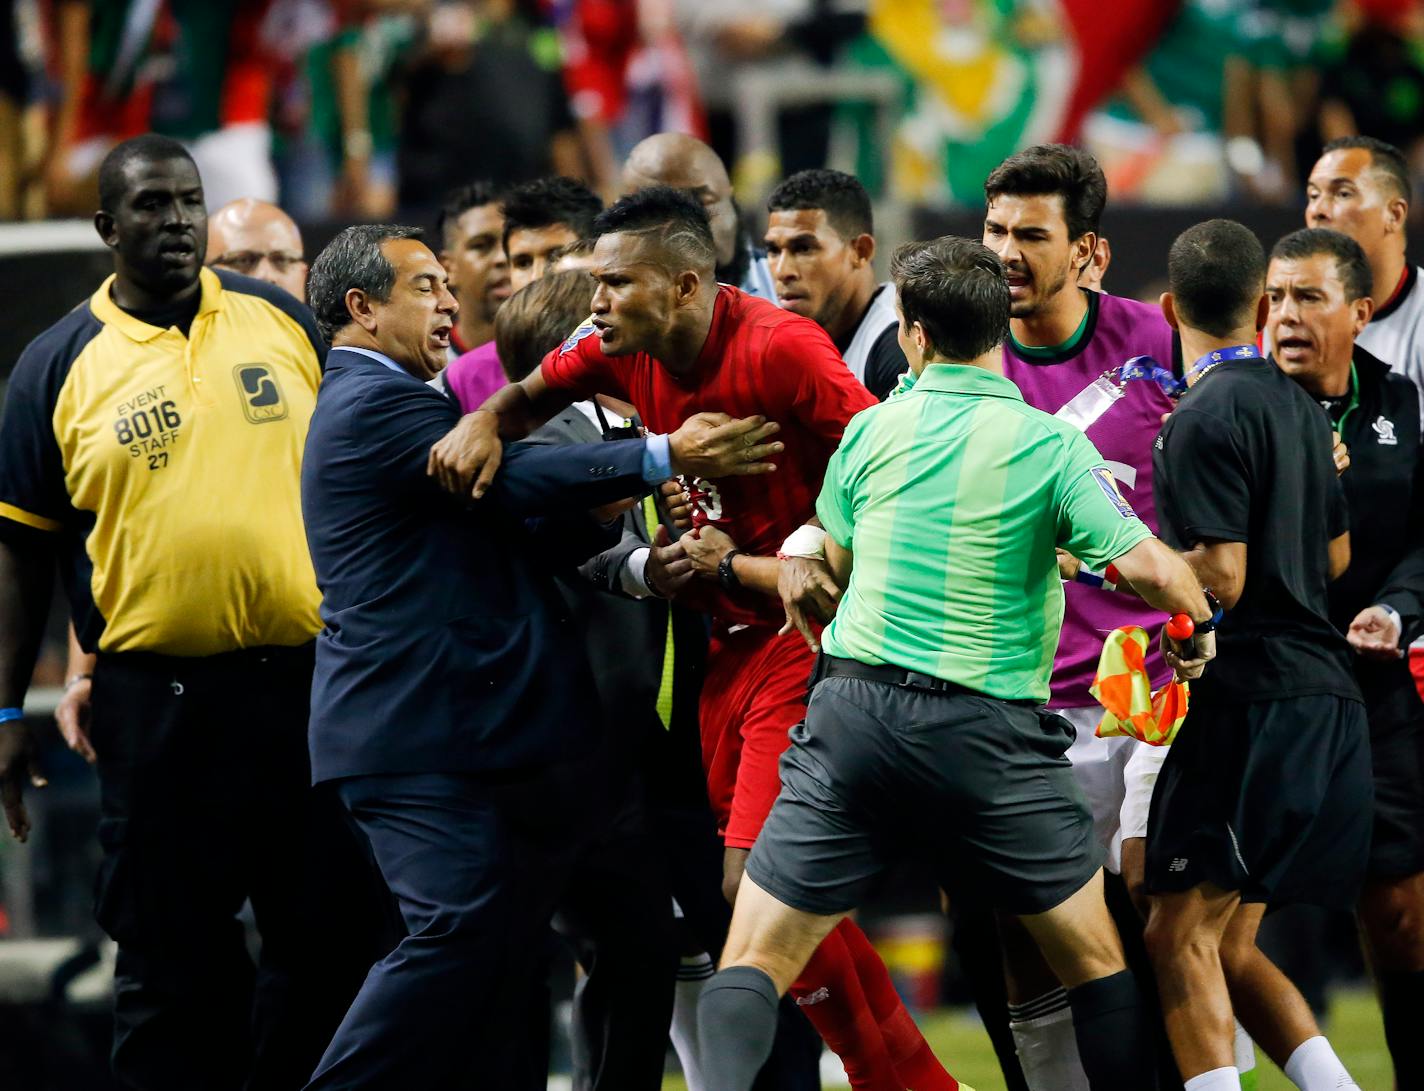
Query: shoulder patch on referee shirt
x,y
586,328
1103,476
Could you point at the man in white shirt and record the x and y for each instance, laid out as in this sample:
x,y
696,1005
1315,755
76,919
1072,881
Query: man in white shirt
x,y
820,244
1360,187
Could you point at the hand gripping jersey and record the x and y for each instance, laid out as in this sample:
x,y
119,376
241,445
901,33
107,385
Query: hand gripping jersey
x,y
758,360
1116,329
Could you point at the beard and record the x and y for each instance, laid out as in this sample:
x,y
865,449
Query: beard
x,y
1041,299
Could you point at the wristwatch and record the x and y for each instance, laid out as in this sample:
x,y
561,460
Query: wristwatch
x,y
726,574
1210,624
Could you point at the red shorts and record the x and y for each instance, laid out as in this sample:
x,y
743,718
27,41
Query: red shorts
x,y
754,694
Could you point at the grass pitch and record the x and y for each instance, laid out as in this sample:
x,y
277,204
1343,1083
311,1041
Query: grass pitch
x,y
1354,1029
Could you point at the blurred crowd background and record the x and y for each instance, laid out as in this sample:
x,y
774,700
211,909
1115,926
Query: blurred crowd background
x,y
359,109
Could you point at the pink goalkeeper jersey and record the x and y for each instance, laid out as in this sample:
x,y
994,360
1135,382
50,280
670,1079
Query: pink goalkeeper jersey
x,y
1116,330
474,376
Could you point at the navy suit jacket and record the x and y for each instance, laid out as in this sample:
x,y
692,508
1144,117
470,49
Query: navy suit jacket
x,y
446,646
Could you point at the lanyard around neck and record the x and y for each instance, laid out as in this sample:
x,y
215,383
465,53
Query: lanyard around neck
x,y
1145,368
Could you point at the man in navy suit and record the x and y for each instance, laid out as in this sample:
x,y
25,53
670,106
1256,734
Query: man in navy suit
x,y
453,703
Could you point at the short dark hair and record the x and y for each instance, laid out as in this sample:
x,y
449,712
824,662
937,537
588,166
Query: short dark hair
x,y
679,221
1046,170
460,200
536,319
1215,272
352,260
548,201
839,195
1384,157
579,248
1351,265
150,148
956,289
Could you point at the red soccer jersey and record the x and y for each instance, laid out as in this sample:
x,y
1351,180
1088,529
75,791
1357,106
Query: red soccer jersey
x,y
758,360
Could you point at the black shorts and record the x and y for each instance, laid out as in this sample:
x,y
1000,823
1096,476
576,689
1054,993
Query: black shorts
x,y
1274,799
976,786
1397,750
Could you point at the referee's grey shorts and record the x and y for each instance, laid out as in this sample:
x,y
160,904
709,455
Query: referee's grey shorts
x,y
976,786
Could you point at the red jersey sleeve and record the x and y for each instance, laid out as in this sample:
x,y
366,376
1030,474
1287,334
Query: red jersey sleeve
x,y
826,395
580,367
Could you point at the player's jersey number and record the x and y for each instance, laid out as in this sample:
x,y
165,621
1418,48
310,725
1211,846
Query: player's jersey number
x,y
706,500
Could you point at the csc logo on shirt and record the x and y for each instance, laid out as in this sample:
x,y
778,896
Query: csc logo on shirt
x,y
262,399
1103,476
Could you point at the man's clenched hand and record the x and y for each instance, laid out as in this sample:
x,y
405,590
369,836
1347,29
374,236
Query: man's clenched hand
x,y
714,445
677,504
1374,634
668,568
466,460
1188,658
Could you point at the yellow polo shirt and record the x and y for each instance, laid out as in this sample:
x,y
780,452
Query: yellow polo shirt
x,y
166,469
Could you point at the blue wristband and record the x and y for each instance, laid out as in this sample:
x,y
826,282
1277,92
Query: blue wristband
x,y
8,714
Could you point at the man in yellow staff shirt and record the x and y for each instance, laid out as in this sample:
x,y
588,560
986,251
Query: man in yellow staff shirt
x,y
151,443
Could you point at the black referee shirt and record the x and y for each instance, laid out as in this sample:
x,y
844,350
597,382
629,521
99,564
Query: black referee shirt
x,y
1246,457
1384,486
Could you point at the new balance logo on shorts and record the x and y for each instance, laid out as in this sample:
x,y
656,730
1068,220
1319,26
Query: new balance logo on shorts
x,y
1179,863
816,997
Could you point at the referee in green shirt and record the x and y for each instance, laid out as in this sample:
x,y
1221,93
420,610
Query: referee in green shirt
x,y
924,735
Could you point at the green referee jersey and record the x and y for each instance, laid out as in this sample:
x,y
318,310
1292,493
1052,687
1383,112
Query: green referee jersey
x,y
952,496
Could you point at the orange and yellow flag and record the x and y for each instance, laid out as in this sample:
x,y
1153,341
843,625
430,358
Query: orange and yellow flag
x,y
1124,689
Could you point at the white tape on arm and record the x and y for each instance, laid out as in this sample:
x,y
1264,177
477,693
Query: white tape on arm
x,y
805,541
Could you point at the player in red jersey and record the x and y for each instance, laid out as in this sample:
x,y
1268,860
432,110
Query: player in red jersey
x,y
665,337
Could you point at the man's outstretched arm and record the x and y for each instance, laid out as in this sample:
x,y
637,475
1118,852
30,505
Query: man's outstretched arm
x,y
467,458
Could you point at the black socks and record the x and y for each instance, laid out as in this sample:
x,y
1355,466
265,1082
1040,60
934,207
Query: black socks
x,y
1115,1037
1402,998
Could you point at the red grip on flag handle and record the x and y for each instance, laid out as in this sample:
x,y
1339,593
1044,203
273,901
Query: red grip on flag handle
x,y
1181,627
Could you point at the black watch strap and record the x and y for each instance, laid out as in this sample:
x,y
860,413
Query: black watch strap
x,y
726,574
1212,604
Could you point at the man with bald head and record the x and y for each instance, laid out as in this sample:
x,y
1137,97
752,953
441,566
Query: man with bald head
x,y
684,162
258,239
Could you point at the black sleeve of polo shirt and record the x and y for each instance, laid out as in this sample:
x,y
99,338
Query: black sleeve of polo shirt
x,y
1404,587
34,500
1207,492
284,301
885,363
